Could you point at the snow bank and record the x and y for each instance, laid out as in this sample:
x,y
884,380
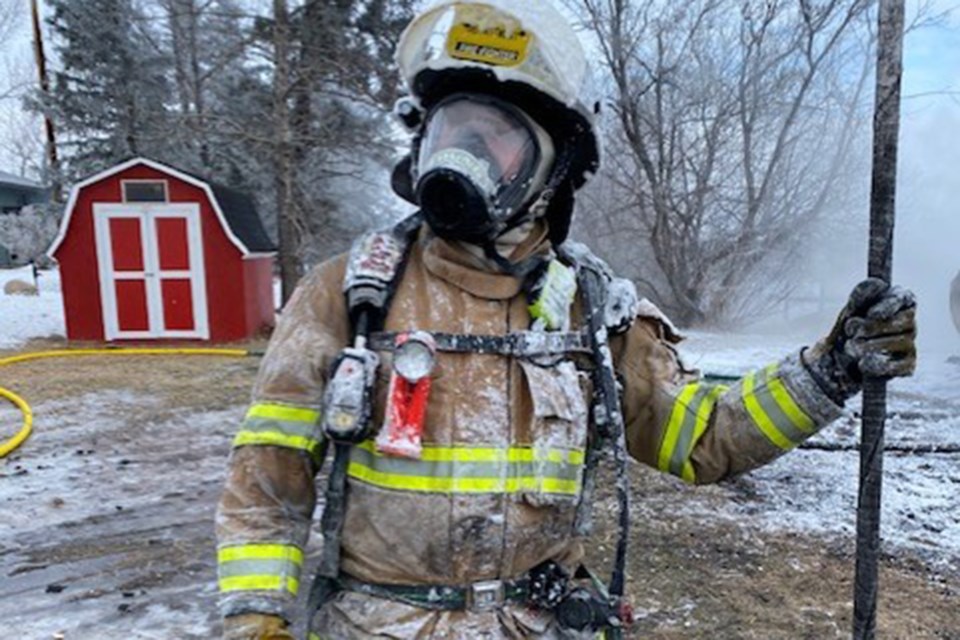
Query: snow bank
x,y
816,491
26,317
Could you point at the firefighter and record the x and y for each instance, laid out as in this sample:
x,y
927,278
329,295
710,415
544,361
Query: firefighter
x,y
457,361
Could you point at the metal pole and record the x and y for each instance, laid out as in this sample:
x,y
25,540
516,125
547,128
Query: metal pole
x,y
886,128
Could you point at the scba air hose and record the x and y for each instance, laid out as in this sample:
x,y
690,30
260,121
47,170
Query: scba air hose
x,y
7,446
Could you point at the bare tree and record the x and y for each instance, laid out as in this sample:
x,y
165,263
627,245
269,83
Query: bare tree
x,y
21,142
333,81
9,10
11,77
287,220
735,126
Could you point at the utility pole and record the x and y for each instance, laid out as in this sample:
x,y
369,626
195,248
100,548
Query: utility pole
x,y
886,130
53,162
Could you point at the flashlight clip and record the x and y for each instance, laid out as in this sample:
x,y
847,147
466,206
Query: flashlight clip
x,y
413,360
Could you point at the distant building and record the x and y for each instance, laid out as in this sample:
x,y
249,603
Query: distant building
x,y
17,192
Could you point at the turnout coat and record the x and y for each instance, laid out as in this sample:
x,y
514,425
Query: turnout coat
x,y
496,490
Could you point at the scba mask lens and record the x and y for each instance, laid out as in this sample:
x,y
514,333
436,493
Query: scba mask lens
x,y
478,164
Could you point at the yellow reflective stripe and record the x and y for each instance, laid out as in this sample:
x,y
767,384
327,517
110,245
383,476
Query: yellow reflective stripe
x,y
282,412
672,433
260,583
281,426
688,420
461,485
439,453
277,439
700,425
259,567
259,551
760,417
787,404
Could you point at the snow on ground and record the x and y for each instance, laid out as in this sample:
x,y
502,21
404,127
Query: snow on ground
x,y
108,521
816,491
25,317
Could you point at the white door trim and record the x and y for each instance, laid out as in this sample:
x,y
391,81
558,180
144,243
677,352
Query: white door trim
x,y
148,213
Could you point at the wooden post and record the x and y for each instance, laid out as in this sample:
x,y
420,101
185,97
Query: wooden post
x,y
886,129
53,162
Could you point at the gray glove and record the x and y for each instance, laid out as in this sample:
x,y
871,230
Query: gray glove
x,y
875,335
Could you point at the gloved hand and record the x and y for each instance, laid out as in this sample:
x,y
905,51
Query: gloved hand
x,y
255,626
875,335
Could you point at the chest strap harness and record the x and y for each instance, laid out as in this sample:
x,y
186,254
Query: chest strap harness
x,y
520,344
374,270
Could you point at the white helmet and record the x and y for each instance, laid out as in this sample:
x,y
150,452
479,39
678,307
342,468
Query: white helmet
x,y
523,53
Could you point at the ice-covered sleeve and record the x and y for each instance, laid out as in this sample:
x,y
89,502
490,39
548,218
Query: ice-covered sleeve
x,y
702,432
263,518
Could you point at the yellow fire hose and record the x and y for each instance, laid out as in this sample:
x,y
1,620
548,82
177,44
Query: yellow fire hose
x,y
10,445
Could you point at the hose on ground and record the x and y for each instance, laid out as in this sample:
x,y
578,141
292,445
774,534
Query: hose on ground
x,y
10,445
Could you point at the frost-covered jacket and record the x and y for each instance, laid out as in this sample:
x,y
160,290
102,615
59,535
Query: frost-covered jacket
x,y
496,490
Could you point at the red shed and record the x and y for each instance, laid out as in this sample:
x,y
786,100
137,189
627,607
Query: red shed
x,y
148,252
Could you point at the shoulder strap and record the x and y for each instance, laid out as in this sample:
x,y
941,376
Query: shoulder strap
x,y
374,268
619,298
595,279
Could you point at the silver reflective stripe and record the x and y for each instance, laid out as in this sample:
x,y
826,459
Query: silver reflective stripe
x,y
460,469
259,567
688,428
688,420
774,411
282,426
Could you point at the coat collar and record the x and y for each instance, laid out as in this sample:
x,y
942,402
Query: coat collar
x,y
452,263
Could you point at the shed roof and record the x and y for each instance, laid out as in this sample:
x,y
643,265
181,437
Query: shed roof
x,y
235,210
242,216
11,180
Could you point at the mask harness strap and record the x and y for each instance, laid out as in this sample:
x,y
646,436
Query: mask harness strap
x,y
520,269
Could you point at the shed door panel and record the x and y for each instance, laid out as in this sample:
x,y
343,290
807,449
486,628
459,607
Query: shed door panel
x,y
173,244
132,311
126,244
177,304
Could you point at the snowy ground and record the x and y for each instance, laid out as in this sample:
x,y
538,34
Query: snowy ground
x,y
25,317
107,510
816,491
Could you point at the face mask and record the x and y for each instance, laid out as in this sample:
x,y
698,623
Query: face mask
x,y
479,163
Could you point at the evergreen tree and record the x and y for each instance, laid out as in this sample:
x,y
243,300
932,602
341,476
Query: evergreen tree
x,y
109,96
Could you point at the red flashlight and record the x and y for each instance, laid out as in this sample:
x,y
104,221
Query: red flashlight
x,y
413,360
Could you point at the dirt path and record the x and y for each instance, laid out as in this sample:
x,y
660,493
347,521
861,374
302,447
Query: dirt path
x,y
107,525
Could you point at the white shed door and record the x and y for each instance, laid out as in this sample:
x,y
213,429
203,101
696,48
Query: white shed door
x,y
152,281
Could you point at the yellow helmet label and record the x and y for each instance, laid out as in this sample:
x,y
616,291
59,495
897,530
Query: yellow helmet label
x,y
487,37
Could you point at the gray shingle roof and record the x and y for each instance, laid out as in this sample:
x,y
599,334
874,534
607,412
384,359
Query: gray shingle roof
x,y
11,180
242,216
